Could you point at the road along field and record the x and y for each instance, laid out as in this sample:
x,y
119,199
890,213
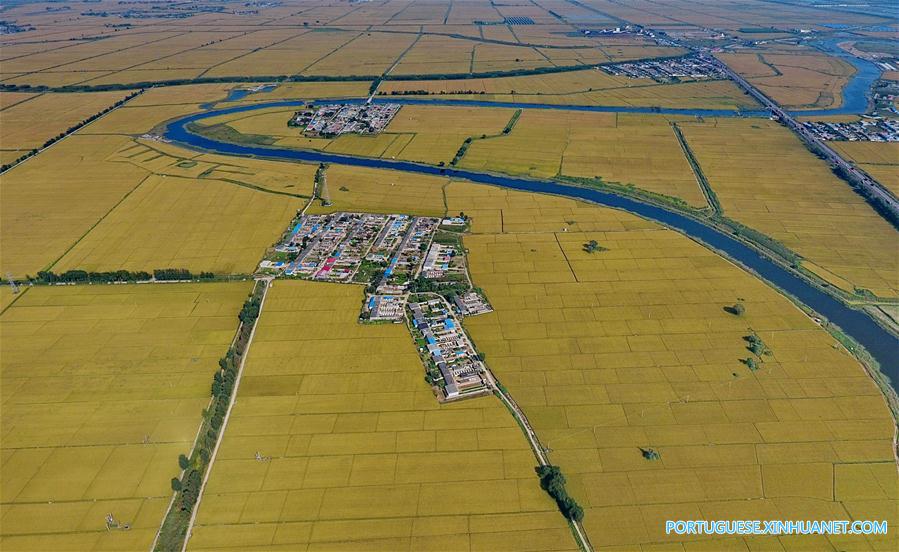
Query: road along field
x,y
879,159
103,387
335,441
637,379
766,179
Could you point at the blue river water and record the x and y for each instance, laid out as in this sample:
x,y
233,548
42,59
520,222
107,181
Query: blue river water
x,y
880,343
857,91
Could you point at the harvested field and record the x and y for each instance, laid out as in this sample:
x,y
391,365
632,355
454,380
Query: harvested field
x,y
630,348
347,461
103,388
766,179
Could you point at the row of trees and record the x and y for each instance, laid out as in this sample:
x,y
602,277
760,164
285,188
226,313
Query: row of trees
x,y
68,131
223,382
553,482
78,276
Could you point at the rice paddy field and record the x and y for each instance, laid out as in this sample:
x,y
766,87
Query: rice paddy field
x,y
587,87
630,348
427,134
796,78
102,388
638,150
52,200
380,191
766,179
356,453
640,383
31,121
879,159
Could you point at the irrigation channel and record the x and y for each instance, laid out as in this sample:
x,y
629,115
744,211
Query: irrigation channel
x,y
880,343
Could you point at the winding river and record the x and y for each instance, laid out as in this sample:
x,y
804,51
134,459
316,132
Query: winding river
x,y
880,343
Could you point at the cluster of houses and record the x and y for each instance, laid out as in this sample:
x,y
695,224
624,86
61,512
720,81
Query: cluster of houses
x,y
404,264
864,130
690,67
349,247
453,363
397,258
332,120
441,261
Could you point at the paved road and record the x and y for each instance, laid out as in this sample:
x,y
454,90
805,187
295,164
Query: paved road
x,y
871,187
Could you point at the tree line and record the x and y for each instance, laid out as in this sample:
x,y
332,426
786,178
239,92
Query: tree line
x,y
78,276
187,487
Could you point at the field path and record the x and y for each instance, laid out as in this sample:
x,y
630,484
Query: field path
x,y
218,443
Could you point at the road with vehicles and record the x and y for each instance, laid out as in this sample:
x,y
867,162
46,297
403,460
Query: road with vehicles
x,y
870,187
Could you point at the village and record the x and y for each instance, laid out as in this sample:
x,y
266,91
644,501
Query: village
x,y
868,129
414,271
668,70
328,121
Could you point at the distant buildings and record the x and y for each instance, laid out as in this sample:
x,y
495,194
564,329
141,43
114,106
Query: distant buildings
x,y
336,119
668,70
865,130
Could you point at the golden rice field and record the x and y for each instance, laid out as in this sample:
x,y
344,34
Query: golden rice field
x,y
630,348
356,453
588,87
766,179
428,134
795,78
53,199
381,191
638,150
28,124
879,159
202,225
109,203
102,388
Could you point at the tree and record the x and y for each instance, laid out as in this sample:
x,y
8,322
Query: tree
x,y
737,309
593,246
183,462
176,484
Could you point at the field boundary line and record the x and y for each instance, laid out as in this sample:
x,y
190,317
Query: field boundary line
x,y
99,220
243,359
75,130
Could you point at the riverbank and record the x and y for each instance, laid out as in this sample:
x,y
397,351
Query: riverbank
x,y
879,343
